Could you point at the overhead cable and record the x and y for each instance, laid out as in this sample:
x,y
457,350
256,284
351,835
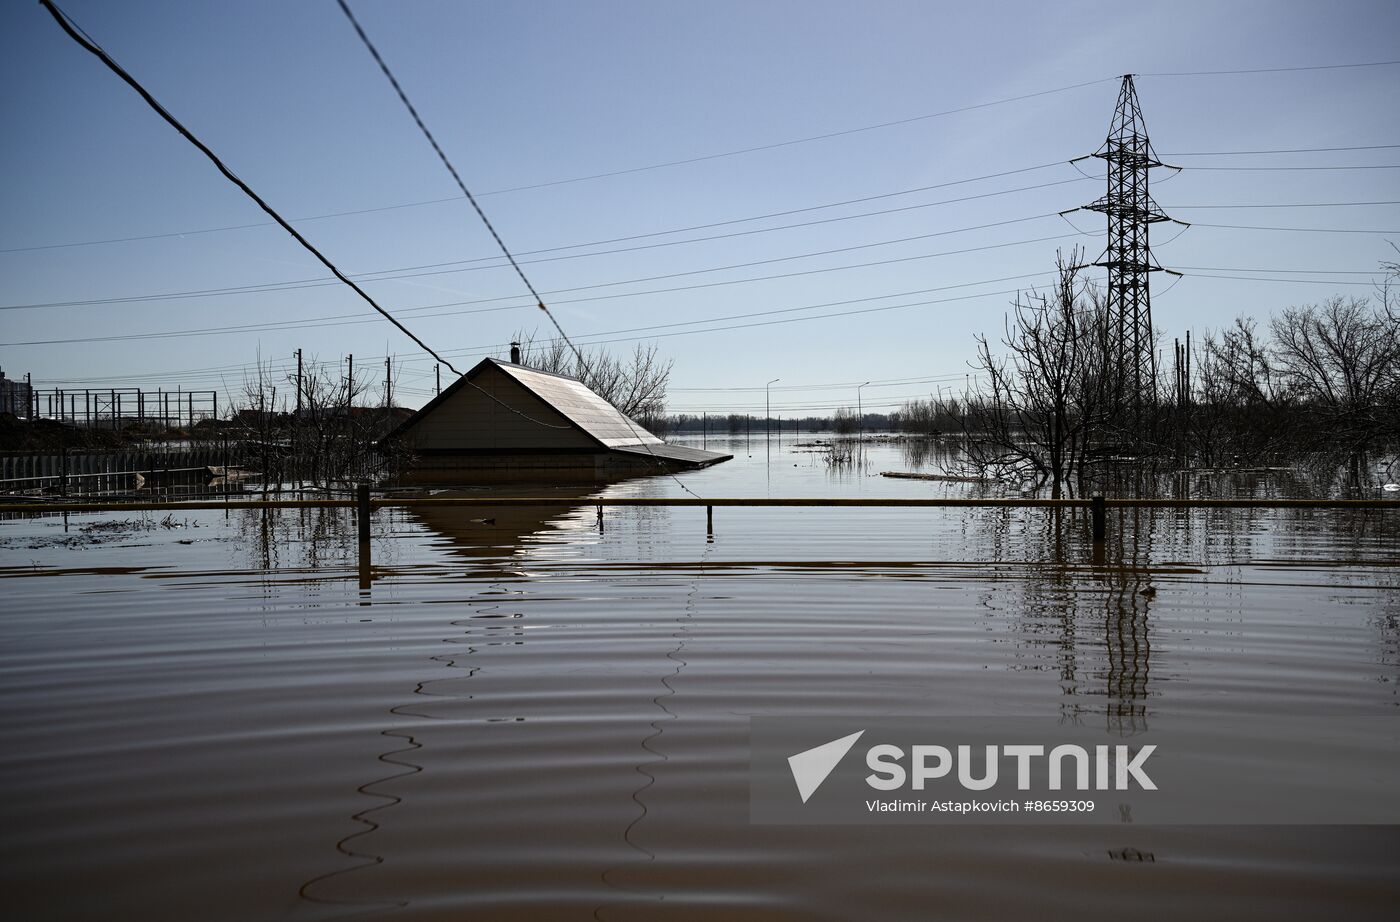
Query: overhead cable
x,y
81,38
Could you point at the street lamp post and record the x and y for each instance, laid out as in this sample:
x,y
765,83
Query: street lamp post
x,y
768,409
860,411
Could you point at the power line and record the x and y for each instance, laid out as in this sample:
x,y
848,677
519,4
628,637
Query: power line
x,y
701,158
886,382
359,318
62,19
1289,169
571,246
785,320
1283,150
403,272
385,275
1309,230
288,325
394,273
1268,70
88,44
539,301
226,227
1011,291
775,214
760,230
1255,278
1295,205
790,310
456,177
897,122
479,349
340,320
208,331
795,141
813,223
1297,271
419,310
809,208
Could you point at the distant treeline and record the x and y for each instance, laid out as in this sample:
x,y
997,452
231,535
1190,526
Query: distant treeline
x,y
842,422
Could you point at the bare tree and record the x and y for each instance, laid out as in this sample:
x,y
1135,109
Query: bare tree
x,y
919,417
636,385
1340,359
258,421
336,427
329,442
1037,410
1239,410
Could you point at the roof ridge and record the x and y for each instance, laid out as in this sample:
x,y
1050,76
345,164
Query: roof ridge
x,y
539,371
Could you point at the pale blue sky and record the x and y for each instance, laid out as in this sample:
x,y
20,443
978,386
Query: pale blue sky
x,y
527,93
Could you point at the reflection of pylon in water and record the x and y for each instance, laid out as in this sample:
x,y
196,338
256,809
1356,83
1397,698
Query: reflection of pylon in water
x,y
1129,157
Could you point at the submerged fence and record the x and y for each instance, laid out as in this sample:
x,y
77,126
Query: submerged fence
x,y
94,471
364,504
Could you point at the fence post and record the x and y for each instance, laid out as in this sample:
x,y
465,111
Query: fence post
x,y
362,516
600,519
1099,510
709,520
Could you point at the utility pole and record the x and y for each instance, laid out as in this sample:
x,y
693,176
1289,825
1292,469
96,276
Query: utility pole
x,y
860,411
437,378
349,380
1129,158
388,384
296,427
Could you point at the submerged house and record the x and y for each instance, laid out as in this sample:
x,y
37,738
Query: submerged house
x,y
503,422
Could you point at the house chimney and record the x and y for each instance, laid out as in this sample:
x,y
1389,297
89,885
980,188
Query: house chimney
x,y
515,353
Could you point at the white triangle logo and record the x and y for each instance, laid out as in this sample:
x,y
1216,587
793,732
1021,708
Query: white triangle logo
x,y
810,768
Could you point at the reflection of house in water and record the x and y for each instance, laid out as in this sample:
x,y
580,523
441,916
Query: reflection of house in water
x,y
491,535
502,422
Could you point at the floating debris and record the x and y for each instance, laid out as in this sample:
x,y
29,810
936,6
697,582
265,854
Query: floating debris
x,y
1131,854
947,478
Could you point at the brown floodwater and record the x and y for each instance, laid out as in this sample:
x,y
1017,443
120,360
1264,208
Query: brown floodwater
x,y
524,717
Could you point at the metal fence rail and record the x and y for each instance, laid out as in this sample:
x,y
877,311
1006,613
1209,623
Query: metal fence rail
x,y
390,502
364,504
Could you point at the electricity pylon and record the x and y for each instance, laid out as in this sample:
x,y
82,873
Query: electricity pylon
x,y
1129,157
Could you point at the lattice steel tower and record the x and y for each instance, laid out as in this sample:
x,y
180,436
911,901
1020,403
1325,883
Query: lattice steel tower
x,y
1129,158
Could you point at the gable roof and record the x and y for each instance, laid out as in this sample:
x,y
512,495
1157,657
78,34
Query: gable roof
x,y
570,397
581,405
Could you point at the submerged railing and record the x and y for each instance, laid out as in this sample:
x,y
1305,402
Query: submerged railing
x,y
364,503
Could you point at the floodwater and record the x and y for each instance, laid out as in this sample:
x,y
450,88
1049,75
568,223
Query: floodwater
x,y
209,717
